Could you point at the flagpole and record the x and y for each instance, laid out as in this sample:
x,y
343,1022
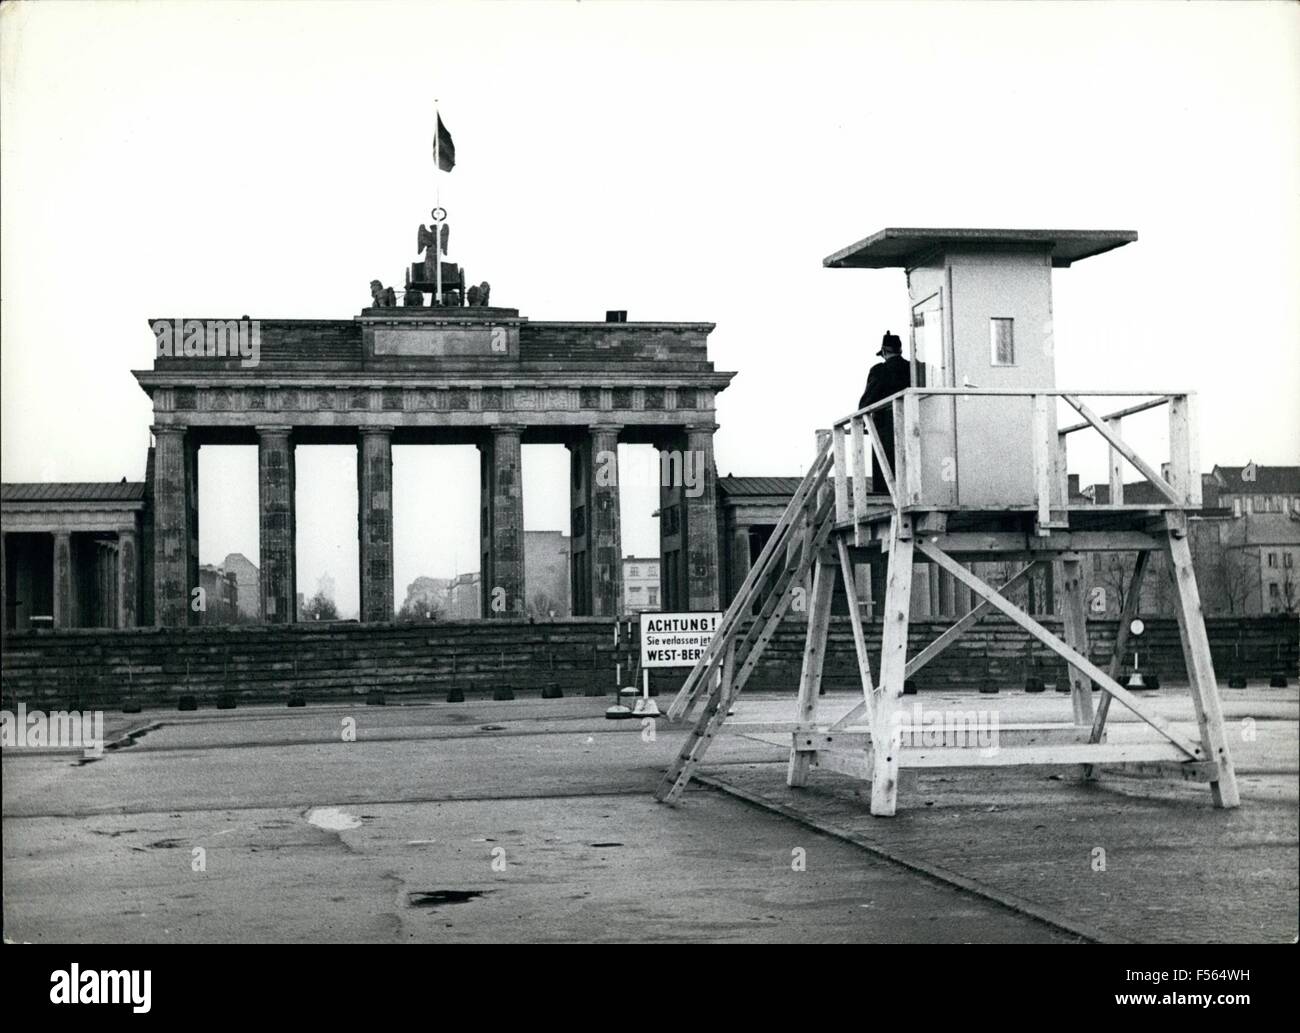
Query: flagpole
x,y
437,204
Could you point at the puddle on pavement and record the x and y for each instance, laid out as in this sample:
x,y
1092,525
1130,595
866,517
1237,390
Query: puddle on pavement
x,y
332,819
437,898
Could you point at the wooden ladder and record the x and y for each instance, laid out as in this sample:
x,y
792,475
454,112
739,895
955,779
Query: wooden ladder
x,y
771,587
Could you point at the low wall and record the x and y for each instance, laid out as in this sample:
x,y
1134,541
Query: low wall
x,y
339,661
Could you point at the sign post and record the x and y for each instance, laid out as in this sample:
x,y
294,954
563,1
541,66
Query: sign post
x,y
671,640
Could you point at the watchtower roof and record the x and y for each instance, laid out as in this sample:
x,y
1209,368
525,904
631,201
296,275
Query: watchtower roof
x,y
894,248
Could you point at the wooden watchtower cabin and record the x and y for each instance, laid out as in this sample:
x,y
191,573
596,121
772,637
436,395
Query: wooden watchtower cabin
x,y
979,473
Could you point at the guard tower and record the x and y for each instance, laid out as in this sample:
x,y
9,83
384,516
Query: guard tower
x,y
979,472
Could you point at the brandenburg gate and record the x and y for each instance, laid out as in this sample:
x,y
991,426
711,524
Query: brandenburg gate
x,y
459,372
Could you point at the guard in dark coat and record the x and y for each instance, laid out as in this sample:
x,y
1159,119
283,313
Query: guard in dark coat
x,y
886,378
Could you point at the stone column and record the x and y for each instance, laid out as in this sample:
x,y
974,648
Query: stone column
x,y
277,525
700,522
604,531
673,568
65,582
503,524
175,569
128,578
740,560
375,522
580,468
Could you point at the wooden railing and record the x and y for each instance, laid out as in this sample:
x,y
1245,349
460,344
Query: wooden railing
x,y
1014,456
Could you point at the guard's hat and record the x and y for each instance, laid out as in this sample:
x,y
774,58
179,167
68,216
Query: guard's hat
x,y
890,343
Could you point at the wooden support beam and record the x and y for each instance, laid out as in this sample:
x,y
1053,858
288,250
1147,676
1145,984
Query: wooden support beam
x,y
955,734
858,448
907,448
1129,610
963,625
841,474
812,741
886,462
1063,468
763,629
1184,457
771,554
814,657
715,711
1130,410
1054,753
1200,664
1042,466
1104,681
893,663
855,622
1074,610
855,765
1188,770
1014,543
1117,443
1115,423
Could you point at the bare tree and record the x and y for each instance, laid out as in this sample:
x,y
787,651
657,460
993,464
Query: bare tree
x,y
1235,575
320,608
1115,577
1290,591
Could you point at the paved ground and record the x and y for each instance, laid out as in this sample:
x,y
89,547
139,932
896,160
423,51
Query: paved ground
x,y
533,819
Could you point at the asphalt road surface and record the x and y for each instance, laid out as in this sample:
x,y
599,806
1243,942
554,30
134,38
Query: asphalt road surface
x,y
530,820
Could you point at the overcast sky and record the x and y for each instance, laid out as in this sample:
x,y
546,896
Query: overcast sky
x,y
683,162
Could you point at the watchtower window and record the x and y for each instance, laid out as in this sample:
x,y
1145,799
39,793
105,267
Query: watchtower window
x,y
1002,341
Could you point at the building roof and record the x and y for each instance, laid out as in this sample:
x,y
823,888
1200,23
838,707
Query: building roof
x,y
1268,480
1136,493
758,486
894,248
73,491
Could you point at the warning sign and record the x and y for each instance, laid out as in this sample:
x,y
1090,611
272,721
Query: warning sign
x,y
676,639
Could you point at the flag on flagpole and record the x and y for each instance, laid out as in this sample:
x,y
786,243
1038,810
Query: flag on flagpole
x,y
444,151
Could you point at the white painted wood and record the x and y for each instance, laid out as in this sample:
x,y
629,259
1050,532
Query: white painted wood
x,y
841,476
1130,410
893,663
1055,753
1074,611
1200,664
1132,601
855,765
961,626
1115,423
858,451
886,462
1184,463
855,622
907,442
775,551
1042,464
1105,682
814,657
1138,462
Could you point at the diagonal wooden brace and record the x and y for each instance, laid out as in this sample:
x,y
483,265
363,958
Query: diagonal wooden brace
x,y
1078,660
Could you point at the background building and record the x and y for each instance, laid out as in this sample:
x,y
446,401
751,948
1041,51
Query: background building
x,y
246,582
463,601
640,584
546,573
